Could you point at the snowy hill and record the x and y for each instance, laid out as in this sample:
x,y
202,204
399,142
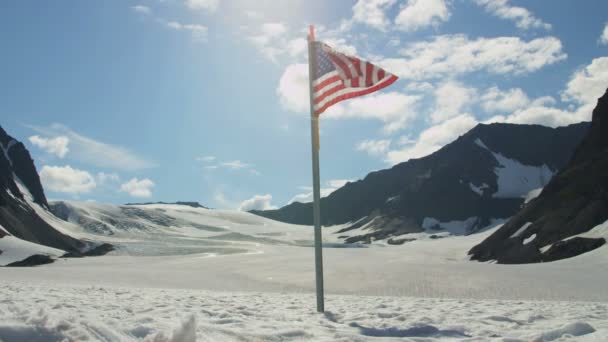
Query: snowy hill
x,y
485,175
175,229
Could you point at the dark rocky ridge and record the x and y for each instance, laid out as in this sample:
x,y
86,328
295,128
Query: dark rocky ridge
x,y
575,201
16,216
438,185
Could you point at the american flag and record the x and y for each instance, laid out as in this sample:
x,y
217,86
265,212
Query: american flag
x,y
338,77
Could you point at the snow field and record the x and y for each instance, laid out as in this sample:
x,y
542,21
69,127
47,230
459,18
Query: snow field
x,y
92,313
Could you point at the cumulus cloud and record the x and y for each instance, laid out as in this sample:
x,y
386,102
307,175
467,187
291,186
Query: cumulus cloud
x,y
330,186
95,152
57,146
205,159
66,179
198,32
451,98
138,188
142,9
104,178
373,13
271,40
589,83
208,5
457,54
293,88
394,109
257,202
523,18
496,100
604,36
418,14
373,147
234,164
433,138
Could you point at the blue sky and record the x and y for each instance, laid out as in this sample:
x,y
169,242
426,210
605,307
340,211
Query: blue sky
x,y
206,100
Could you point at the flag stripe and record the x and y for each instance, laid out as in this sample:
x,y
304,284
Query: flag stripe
x,y
350,93
329,92
326,83
342,67
324,78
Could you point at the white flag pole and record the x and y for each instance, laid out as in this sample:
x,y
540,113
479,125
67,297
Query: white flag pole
x,y
314,129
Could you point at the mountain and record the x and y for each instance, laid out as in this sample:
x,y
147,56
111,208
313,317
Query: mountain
x,y
573,203
484,175
20,192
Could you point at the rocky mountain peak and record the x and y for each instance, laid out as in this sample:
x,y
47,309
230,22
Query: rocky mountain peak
x,y
17,160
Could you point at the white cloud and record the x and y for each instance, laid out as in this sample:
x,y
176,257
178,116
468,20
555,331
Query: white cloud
x,y
142,9
541,114
208,5
457,54
65,179
271,40
373,147
330,186
372,13
604,36
257,202
57,146
451,98
205,159
496,100
138,188
293,88
589,83
433,138
94,152
198,32
418,14
104,178
234,164
394,109
522,18
297,47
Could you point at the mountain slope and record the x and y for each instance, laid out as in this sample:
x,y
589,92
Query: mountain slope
x,y
483,175
574,202
22,200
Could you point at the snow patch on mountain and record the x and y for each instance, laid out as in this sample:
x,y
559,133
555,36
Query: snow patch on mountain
x,y
7,149
515,179
521,230
533,194
478,189
530,239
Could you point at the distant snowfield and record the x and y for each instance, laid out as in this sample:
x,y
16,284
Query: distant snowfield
x,y
237,277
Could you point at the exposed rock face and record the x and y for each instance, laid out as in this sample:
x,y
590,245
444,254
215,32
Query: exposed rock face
x,y
575,201
484,174
16,215
33,260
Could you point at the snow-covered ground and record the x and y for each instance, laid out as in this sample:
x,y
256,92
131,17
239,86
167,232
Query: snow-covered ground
x,y
100,313
232,276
